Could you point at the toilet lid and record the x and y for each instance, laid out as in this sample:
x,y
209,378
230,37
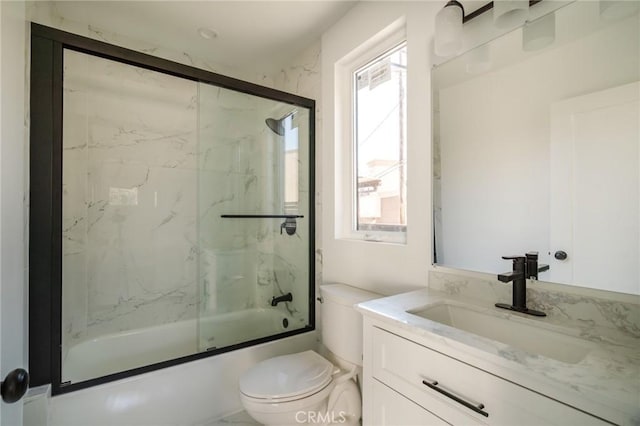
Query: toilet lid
x,y
286,376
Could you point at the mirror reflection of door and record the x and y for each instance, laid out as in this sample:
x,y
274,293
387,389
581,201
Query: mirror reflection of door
x,y
537,150
594,189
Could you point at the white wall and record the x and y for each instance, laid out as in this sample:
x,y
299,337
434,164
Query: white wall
x,y
389,268
12,180
46,13
381,267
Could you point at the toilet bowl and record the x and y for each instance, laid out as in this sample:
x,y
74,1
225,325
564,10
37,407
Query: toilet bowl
x,y
306,388
296,389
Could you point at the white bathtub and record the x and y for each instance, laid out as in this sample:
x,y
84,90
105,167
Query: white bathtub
x,y
123,351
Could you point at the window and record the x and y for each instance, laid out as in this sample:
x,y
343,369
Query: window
x,y
380,148
291,161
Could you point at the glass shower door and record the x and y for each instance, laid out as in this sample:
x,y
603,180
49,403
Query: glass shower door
x,y
253,232
129,188
181,218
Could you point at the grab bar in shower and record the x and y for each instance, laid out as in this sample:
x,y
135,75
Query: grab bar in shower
x,y
262,216
288,225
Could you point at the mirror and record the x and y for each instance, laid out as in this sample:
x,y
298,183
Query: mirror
x,y
536,148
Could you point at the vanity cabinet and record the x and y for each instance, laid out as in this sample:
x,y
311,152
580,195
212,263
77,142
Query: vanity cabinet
x,y
393,409
424,387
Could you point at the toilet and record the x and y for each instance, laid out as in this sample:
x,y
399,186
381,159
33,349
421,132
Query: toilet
x,y
306,388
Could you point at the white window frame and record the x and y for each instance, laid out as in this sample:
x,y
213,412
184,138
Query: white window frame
x,y
346,160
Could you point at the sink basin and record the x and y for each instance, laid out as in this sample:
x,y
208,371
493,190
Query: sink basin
x,y
523,334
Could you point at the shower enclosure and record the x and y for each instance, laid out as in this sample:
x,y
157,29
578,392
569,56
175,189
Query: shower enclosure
x,y
179,220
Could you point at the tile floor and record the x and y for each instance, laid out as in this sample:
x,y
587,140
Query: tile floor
x,y
237,419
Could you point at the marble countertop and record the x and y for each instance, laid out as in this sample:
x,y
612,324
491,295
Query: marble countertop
x,y
606,383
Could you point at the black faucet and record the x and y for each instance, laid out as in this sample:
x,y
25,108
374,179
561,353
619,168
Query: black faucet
x,y
523,267
284,298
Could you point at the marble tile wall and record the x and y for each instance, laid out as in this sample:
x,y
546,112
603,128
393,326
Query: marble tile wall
x,y
247,262
303,78
117,178
129,191
228,183
46,13
243,170
274,263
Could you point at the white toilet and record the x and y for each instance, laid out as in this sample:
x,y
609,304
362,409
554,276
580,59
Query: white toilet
x,y
305,388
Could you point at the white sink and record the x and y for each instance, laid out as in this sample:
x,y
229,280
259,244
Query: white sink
x,y
523,334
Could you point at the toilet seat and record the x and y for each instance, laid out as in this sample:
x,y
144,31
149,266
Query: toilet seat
x,y
286,378
306,403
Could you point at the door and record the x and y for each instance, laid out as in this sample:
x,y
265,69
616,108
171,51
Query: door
x,y
595,217
12,211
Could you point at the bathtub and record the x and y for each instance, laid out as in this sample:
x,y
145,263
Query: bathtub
x,y
126,350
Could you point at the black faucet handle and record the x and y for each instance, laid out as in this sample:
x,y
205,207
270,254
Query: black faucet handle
x,y
518,265
516,259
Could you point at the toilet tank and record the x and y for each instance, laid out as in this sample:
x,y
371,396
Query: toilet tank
x,y
341,323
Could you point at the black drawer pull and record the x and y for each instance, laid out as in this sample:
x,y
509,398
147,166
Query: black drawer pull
x,y
477,408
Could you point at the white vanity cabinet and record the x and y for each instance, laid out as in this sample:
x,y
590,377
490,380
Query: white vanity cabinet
x,y
392,409
407,384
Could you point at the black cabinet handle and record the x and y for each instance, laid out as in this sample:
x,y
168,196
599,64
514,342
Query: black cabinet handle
x,y
14,385
477,408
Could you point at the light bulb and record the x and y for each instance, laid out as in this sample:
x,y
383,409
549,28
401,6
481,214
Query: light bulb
x,y
539,33
510,13
448,32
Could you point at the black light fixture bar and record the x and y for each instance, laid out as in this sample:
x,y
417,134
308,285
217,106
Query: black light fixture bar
x,y
487,7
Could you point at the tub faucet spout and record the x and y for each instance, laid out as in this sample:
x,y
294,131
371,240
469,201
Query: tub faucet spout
x,y
284,298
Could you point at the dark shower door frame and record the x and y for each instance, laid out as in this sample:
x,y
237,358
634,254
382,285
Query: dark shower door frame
x,y
45,211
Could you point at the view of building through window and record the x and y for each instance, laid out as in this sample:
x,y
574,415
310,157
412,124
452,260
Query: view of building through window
x,y
380,142
291,158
